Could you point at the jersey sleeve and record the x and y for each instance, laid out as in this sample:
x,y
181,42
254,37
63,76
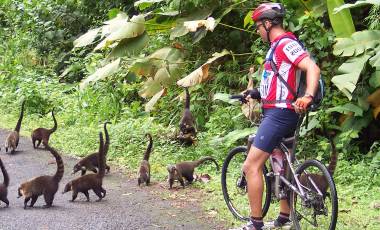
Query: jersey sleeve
x,y
293,51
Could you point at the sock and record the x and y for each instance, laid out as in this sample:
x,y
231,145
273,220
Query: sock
x,y
257,222
282,218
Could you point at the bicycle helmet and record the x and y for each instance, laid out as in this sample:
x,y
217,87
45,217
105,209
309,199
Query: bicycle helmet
x,y
269,11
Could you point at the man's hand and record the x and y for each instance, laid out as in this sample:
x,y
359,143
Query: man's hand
x,y
302,103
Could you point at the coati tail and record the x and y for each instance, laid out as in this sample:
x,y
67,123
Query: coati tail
x,y
107,143
149,148
187,103
5,174
334,156
18,125
202,160
60,167
101,157
52,130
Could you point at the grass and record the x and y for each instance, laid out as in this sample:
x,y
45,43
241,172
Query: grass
x,y
358,202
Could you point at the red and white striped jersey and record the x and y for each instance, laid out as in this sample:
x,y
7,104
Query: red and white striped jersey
x,y
286,56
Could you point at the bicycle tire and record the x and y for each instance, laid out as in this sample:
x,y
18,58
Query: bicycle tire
x,y
239,214
317,205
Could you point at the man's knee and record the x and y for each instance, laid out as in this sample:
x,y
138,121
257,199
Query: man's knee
x,y
251,167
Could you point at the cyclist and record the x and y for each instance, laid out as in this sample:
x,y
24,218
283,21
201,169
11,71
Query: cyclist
x,y
280,116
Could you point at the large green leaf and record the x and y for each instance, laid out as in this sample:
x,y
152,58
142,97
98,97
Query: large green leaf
x,y
341,22
375,60
153,100
347,108
101,73
233,136
86,38
374,81
129,46
358,43
357,4
143,4
350,70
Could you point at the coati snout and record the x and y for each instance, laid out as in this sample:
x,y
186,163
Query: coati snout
x,y
67,188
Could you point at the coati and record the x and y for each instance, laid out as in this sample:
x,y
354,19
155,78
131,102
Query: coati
x,y
319,179
90,162
13,138
4,185
187,131
90,181
43,185
42,134
144,170
186,169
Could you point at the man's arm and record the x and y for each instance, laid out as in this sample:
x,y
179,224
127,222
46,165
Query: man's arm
x,y
312,78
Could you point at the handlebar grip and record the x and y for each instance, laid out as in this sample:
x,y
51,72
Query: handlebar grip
x,y
238,96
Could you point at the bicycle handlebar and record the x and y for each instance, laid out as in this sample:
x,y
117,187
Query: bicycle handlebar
x,y
240,97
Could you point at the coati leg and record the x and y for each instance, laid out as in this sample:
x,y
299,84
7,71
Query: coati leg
x,y
6,149
103,191
34,199
108,168
34,142
147,181
26,202
48,199
38,143
75,194
87,195
189,178
98,192
5,200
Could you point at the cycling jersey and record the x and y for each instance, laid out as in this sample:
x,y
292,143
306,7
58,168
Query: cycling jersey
x,y
274,94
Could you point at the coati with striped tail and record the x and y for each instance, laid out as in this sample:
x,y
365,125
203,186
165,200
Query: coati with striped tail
x,y
90,181
4,185
43,185
186,169
90,162
319,179
43,134
187,131
144,170
13,138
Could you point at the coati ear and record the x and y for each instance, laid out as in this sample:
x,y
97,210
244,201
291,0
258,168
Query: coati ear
x,y
171,168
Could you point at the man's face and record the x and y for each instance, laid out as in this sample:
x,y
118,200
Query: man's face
x,y
261,30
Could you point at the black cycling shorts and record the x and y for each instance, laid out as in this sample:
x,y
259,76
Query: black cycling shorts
x,y
276,124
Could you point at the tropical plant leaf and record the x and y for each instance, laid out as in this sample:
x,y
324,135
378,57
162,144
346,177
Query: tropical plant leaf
x,y
341,22
101,73
201,74
154,85
248,22
208,24
351,70
149,106
114,24
358,43
143,4
87,38
374,81
375,60
129,46
357,4
346,109
233,136
180,30
225,97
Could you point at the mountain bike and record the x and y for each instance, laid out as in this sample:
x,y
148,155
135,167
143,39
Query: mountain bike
x,y
307,186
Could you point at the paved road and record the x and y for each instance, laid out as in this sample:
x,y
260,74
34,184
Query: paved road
x,y
125,207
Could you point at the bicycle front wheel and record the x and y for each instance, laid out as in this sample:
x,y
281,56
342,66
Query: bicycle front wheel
x,y
234,185
318,208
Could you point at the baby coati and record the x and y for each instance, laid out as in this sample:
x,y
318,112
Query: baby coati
x,y
319,179
43,185
187,131
90,162
144,171
12,139
4,185
186,169
42,134
90,181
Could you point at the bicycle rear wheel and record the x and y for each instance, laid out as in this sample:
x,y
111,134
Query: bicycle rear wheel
x,y
234,185
317,210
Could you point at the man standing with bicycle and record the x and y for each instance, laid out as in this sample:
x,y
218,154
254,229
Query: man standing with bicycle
x,y
279,102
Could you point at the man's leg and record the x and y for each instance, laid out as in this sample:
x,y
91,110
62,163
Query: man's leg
x,y
252,168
